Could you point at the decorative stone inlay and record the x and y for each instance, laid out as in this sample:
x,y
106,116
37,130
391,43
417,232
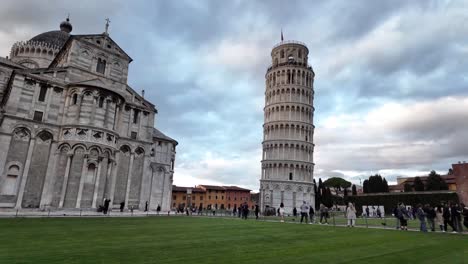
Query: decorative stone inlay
x,y
89,135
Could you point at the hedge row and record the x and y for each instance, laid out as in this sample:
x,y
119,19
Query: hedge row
x,y
390,200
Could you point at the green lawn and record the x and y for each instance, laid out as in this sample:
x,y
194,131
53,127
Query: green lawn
x,y
216,240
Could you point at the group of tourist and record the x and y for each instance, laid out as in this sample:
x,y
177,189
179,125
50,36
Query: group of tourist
x,y
307,213
443,215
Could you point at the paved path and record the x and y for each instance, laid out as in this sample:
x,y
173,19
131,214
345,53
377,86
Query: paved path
x,y
32,213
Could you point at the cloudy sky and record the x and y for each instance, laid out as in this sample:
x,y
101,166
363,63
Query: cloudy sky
x,y
391,84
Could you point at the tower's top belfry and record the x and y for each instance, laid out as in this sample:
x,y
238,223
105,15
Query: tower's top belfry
x,y
287,160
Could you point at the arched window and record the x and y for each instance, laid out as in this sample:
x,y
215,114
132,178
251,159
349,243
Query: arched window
x,y
135,116
101,102
101,66
299,55
282,54
74,99
42,93
10,184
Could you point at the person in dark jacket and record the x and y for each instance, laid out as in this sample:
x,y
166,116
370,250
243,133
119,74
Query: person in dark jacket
x,y
421,215
455,211
257,210
447,218
395,214
311,214
430,215
245,210
465,215
403,215
106,205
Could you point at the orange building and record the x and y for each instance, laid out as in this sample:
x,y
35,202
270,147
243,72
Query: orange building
x,y
182,196
211,197
237,196
215,196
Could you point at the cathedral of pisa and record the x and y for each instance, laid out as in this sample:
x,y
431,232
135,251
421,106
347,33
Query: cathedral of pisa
x,y
288,130
73,132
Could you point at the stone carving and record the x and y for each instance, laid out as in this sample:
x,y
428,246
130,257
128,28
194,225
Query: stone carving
x,y
21,134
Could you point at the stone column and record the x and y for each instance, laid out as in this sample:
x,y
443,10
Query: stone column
x,y
108,178
65,179
25,173
116,117
49,94
84,170
96,183
114,178
46,196
106,113
78,111
130,122
93,110
129,178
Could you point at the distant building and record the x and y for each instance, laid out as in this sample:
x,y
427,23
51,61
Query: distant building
x,y
211,197
457,181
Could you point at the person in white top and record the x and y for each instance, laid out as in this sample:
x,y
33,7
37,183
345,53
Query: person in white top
x,y
281,212
351,215
304,211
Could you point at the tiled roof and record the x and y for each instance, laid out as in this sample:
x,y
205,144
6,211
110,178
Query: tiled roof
x,y
235,188
212,187
160,135
176,188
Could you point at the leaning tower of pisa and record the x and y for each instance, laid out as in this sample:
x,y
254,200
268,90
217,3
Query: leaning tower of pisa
x,y
288,130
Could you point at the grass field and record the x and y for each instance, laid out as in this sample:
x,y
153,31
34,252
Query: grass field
x,y
216,240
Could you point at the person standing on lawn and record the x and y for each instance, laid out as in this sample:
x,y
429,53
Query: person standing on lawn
x,y
431,215
311,214
323,213
465,215
257,210
440,217
304,211
455,212
421,215
351,215
281,211
403,215
395,214
447,218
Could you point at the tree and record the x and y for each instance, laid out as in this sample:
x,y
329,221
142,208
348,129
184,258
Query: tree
x,y
376,184
345,192
327,198
385,186
418,184
365,186
337,183
354,190
435,182
317,196
408,187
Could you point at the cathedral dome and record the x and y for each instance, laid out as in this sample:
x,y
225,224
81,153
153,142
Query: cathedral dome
x,y
41,50
55,37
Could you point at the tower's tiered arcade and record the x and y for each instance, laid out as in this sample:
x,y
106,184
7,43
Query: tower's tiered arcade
x,y
288,130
